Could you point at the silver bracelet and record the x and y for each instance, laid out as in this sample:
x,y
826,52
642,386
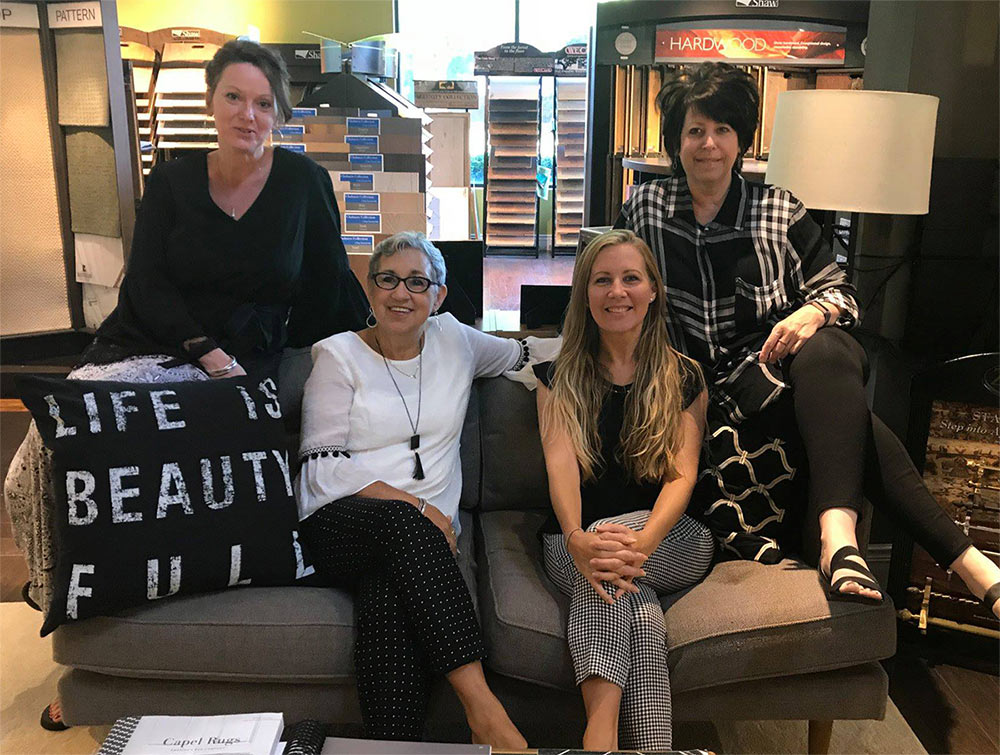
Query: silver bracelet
x,y
422,505
223,370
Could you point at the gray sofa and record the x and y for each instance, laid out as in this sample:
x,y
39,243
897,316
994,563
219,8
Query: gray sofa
x,y
750,642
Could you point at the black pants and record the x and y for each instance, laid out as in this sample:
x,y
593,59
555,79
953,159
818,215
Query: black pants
x,y
828,376
414,613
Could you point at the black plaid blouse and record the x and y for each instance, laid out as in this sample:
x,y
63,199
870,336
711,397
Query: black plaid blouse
x,y
729,282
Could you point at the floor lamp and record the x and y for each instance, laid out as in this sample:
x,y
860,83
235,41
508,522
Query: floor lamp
x,y
854,151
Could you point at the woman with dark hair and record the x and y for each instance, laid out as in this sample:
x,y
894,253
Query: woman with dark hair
x,y
756,296
236,253
622,417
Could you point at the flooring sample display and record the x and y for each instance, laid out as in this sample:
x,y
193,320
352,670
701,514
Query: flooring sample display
x,y
179,118
82,78
143,59
93,188
571,127
33,285
512,123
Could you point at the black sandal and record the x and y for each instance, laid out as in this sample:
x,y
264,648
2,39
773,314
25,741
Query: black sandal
x,y
49,723
863,576
992,596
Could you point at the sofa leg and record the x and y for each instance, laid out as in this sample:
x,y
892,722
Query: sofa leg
x,y
819,737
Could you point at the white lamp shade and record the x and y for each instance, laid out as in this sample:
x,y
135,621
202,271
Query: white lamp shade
x,y
854,151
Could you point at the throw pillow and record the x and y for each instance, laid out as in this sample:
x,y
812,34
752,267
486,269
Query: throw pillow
x,y
164,488
747,487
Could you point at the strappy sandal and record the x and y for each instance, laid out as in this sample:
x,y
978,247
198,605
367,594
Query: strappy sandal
x,y
49,723
862,576
992,596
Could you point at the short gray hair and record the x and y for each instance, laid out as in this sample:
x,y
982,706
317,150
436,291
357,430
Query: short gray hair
x,y
409,240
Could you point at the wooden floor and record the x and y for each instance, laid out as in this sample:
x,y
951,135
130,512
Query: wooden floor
x,y
953,706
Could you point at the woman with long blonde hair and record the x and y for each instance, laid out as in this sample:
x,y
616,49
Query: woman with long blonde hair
x,y
621,415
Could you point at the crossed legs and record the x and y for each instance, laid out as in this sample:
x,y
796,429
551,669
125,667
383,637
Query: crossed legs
x,y
415,617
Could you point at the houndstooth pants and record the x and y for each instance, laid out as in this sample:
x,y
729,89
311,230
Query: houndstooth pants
x,y
625,643
414,611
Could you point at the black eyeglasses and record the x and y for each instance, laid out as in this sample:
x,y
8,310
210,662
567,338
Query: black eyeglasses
x,y
415,284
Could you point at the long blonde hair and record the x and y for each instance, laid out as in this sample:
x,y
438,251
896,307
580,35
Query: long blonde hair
x,y
651,432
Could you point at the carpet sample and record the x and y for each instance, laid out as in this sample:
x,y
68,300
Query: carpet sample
x,y
82,78
93,187
33,294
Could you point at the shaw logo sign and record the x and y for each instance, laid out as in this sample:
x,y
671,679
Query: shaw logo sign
x,y
756,3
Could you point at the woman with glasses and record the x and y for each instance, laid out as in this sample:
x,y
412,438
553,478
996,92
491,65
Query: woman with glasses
x,y
379,488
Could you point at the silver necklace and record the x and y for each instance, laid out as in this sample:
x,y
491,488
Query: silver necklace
x,y
418,468
404,373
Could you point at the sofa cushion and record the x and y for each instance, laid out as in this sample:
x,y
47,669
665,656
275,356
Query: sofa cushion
x,y
164,488
746,621
254,634
513,467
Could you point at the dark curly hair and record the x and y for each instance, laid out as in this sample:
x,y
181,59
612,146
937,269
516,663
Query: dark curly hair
x,y
269,63
722,92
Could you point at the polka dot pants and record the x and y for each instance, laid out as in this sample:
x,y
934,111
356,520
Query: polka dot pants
x,y
626,642
413,610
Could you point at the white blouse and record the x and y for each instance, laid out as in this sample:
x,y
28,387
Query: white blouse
x,y
354,427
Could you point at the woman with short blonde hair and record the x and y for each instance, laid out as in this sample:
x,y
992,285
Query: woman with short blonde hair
x,y
621,415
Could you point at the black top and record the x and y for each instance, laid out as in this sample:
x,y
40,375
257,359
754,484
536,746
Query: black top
x,y
612,491
730,281
276,276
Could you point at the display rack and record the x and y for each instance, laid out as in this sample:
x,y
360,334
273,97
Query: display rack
x,y
180,115
143,62
512,129
571,127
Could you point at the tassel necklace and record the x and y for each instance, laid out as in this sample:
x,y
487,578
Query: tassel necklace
x,y
418,468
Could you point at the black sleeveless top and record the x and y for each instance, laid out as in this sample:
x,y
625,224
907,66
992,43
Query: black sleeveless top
x,y
612,491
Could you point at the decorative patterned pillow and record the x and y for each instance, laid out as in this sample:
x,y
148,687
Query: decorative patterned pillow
x,y
746,488
164,488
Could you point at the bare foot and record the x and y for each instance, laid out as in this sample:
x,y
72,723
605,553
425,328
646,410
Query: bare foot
x,y
496,729
599,739
979,573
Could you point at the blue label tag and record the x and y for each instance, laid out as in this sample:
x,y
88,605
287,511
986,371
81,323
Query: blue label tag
x,y
366,145
364,126
363,221
303,112
368,202
359,181
290,130
355,243
368,162
293,147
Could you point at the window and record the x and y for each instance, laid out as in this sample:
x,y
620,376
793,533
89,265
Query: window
x,y
438,39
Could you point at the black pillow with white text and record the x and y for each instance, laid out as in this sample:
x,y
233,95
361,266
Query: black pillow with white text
x,y
164,489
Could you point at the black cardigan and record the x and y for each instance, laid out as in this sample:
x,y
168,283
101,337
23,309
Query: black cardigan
x,y
276,276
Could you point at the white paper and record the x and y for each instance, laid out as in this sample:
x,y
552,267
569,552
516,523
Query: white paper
x,y
448,208
99,259
247,734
